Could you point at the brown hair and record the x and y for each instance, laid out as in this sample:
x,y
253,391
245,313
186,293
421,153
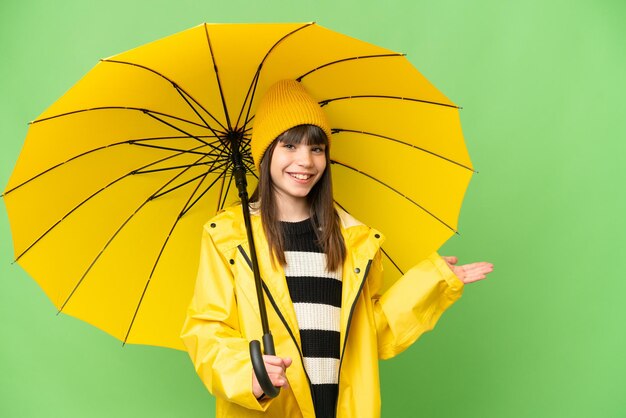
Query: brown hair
x,y
322,210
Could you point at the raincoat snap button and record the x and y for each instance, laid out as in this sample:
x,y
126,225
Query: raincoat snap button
x,y
213,225
231,261
377,235
357,270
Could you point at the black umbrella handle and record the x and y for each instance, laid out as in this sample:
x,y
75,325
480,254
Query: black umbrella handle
x,y
239,172
259,365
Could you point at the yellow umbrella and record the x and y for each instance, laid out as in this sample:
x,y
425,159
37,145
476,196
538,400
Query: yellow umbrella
x,y
115,179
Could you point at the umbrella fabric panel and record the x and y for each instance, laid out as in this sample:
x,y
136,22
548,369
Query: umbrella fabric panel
x,y
435,129
383,209
111,85
312,50
389,75
60,194
55,141
412,173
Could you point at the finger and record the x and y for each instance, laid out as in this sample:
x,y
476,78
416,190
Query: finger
x,y
451,259
277,370
278,361
475,276
473,279
273,360
477,267
279,382
278,379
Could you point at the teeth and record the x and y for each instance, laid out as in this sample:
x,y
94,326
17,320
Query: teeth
x,y
302,176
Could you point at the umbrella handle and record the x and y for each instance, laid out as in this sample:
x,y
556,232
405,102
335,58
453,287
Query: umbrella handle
x,y
259,366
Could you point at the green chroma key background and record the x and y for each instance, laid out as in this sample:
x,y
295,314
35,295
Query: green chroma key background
x,y
540,84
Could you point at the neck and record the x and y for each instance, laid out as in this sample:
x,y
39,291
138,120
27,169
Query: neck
x,y
292,209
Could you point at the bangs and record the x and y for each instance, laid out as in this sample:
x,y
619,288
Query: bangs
x,y
304,134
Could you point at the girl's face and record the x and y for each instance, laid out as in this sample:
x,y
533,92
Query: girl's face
x,y
296,168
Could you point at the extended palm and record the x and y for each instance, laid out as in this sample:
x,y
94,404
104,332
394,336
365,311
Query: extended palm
x,y
469,273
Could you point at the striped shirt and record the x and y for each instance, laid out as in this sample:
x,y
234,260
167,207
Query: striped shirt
x,y
316,296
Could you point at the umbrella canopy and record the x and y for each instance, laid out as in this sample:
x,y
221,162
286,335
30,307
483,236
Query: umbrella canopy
x,y
115,180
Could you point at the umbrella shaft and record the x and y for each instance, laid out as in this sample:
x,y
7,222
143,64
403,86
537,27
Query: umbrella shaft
x,y
239,171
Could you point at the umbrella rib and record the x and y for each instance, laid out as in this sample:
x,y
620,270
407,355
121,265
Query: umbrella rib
x,y
287,35
85,201
183,151
176,86
397,192
61,164
161,138
95,260
178,186
250,169
253,85
157,170
255,79
391,259
247,157
381,248
217,77
392,55
137,109
380,96
197,199
210,144
169,235
184,96
339,130
104,147
219,198
223,202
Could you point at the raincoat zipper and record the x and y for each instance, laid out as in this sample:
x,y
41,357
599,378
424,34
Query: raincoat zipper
x,y
282,318
345,340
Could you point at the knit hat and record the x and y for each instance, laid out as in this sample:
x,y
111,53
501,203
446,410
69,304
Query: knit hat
x,y
285,105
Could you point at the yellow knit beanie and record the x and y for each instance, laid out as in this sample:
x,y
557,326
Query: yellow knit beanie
x,y
285,105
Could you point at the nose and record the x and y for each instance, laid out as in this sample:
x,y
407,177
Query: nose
x,y
305,157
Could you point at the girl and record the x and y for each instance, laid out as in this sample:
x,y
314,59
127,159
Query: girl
x,y
322,273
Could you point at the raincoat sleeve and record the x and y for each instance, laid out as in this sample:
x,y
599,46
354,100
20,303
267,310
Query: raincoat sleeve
x,y
413,304
211,332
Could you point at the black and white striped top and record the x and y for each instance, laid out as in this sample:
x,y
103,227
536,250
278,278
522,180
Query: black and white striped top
x,y
316,296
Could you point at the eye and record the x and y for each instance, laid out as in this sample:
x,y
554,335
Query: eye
x,y
318,149
289,146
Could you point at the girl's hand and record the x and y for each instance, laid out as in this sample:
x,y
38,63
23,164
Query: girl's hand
x,y
276,367
469,273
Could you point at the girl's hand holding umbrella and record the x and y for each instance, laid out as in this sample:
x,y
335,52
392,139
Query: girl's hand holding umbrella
x,y
276,367
469,273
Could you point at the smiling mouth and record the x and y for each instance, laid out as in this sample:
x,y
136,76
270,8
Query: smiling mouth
x,y
300,176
